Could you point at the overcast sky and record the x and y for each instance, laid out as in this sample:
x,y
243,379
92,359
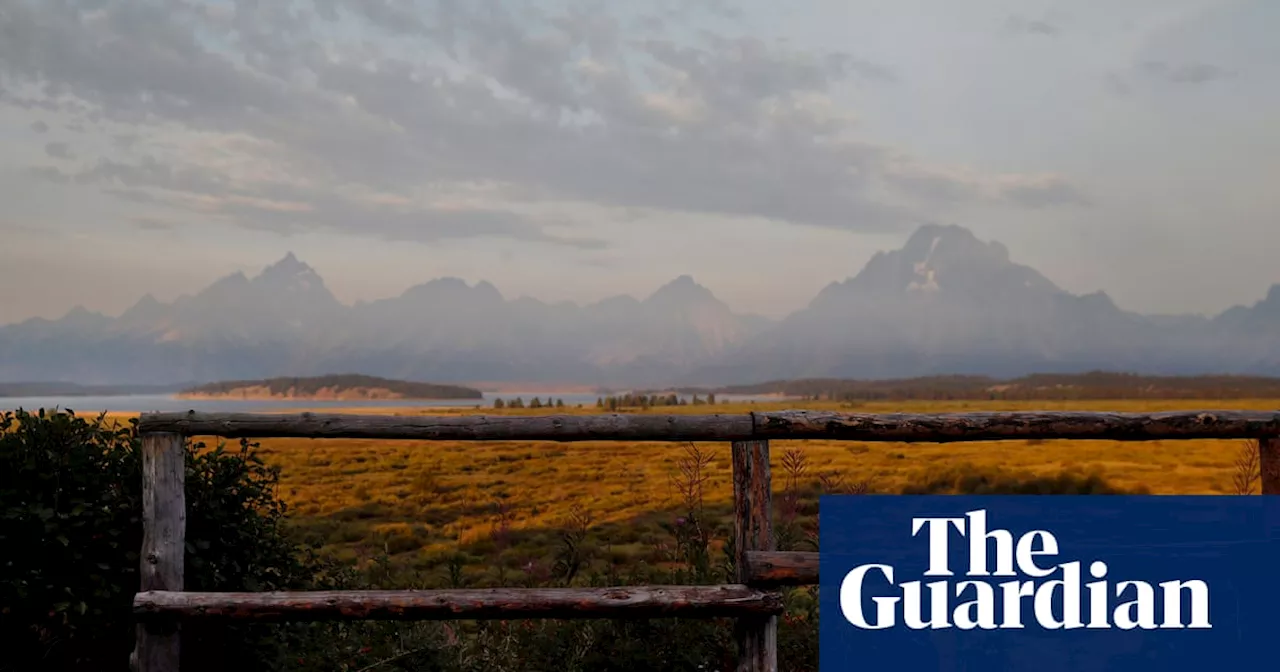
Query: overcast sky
x,y
572,150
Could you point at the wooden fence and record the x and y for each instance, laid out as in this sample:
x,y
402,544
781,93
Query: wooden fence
x,y
163,603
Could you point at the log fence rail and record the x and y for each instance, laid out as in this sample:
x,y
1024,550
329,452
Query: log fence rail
x,y
754,603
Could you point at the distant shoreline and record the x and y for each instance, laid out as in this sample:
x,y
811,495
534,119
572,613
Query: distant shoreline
x,y
500,387
359,394
333,387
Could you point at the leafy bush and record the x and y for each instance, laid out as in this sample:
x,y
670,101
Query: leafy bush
x,y
70,530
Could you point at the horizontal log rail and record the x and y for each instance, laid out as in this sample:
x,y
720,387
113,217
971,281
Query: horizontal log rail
x,y
781,568
903,427
478,604
602,427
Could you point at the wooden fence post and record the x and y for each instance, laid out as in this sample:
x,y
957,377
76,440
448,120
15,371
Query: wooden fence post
x,y
756,636
1269,465
164,525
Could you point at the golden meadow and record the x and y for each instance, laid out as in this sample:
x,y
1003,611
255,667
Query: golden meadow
x,y
419,504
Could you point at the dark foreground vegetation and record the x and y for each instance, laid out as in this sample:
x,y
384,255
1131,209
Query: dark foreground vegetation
x,y
339,383
1041,386
70,498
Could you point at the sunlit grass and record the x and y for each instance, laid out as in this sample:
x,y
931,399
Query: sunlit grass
x,y
420,500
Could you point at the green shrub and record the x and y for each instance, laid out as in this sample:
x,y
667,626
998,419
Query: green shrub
x,y
70,532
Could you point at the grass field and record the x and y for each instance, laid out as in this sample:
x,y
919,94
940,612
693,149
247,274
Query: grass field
x,y
421,502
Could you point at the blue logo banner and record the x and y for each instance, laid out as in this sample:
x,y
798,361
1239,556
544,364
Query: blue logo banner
x,y
1049,583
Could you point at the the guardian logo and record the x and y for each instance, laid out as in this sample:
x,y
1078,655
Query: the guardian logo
x,y
1052,594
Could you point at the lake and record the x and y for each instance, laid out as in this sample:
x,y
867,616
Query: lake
x,y
140,403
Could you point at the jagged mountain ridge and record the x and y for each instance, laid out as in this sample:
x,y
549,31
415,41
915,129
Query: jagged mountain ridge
x,y
944,303
285,321
947,303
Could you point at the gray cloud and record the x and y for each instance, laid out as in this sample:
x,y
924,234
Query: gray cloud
x,y
551,107
153,224
12,227
1043,194
29,103
684,9
1117,85
1022,25
1154,72
39,127
150,172
50,174
1023,191
58,150
1184,73
291,210
132,195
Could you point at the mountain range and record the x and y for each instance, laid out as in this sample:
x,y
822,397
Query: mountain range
x,y
945,303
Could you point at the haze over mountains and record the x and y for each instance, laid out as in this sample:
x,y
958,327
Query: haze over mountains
x,y
945,303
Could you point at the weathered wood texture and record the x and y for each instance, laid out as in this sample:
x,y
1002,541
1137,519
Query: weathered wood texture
x,y
780,568
935,428
604,427
757,636
949,427
495,603
1269,465
164,524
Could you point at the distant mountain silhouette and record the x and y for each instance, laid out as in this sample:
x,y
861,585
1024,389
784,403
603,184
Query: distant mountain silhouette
x,y
284,321
945,303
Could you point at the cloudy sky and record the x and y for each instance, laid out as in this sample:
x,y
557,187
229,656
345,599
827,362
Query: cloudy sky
x,y
571,149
